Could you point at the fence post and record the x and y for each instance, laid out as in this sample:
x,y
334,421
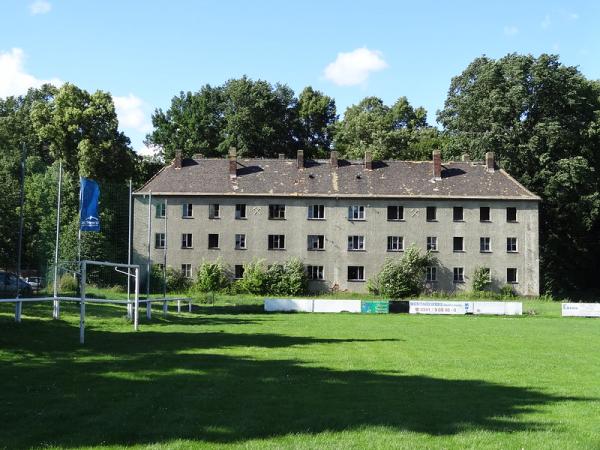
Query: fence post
x,y
82,304
136,299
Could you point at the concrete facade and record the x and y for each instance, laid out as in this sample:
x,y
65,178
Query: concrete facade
x,y
335,227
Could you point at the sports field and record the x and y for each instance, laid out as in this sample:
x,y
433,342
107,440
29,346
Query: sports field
x,y
233,376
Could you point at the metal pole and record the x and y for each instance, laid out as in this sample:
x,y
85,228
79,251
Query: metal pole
x,y
83,268
56,303
164,283
148,304
136,299
19,305
129,257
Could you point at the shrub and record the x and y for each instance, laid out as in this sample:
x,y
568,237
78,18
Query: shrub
x,y
254,280
211,277
404,278
481,279
67,283
507,291
287,279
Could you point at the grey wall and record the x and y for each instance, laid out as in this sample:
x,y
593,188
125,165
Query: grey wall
x,y
336,228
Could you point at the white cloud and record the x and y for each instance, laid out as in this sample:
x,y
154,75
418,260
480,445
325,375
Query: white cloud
x,y
352,68
14,80
146,150
40,7
511,30
132,113
546,22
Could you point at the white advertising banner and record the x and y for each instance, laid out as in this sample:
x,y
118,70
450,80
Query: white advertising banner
x,y
581,309
288,304
336,306
498,308
439,307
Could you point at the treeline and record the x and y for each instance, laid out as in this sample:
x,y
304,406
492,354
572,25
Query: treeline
x,y
540,117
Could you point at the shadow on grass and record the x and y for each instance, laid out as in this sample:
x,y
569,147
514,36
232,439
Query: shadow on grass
x,y
157,387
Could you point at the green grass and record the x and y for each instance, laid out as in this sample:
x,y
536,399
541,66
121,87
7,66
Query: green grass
x,y
229,375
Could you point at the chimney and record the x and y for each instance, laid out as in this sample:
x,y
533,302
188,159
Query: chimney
x,y
177,160
368,161
232,163
437,165
465,157
334,159
300,159
489,162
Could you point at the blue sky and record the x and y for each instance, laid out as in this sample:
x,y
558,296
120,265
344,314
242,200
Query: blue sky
x,y
145,52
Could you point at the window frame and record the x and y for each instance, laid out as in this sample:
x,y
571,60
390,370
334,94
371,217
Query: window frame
x,y
516,273
399,216
462,244
458,274
462,214
320,212
482,241
489,214
279,208
240,238
400,241
433,216
359,270
213,247
161,210
158,238
511,208
360,209
188,211
311,270
238,211
184,269
428,245
214,211
184,241
431,274
235,271
509,247
271,238
320,240
360,239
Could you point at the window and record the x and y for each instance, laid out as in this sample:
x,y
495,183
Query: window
x,y
315,272
457,214
161,210
186,240
395,213
484,214
276,242
238,271
159,240
240,211
431,274
187,211
356,243
511,244
356,273
213,241
432,244
458,244
459,275
240,241
431,214
316,212
276,212
511,275
161,267
511,214
356,212
316,242
395,244
214,211
186,270
485,244
488,274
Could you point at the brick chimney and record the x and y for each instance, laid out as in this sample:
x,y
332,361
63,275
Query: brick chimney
x,y
334,159
490,162
437,165
368,161
232,163
300,159
177,160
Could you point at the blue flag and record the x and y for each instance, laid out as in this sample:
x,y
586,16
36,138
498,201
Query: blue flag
x,y
89,193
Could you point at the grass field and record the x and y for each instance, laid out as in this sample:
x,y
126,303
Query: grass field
x,y
233,376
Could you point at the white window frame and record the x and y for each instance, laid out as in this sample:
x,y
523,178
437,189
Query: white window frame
x,y
186,270
458,274
218,241
432,244
427,209
240,241
398,246
188,211
359,269
315,272
235,271
320,212
462,247
187,241
276,238
462,214
357,212
161,210
485,244
317,239
516,275
160,240
357,239
214,211
431,274
509,246
239,208
280,209
516,214
399,213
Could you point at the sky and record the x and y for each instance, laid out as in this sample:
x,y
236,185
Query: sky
x,y
146,52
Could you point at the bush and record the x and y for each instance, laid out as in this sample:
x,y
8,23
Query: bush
x,y
404,278
211,277
67,283
287,279
176,281
507,291
481,279
254,280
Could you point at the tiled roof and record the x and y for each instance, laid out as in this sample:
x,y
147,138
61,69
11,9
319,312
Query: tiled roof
x,y
281,177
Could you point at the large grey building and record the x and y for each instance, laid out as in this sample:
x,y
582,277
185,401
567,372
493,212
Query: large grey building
x,y
341,218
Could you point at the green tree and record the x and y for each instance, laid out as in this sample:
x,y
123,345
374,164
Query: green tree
x,y
386,131
542,120
211,277
316,120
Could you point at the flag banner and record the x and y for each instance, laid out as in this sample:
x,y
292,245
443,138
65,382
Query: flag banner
x,y
89,193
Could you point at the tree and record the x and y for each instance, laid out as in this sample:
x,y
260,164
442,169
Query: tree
x,y
316,120
386,131
542,120
402,278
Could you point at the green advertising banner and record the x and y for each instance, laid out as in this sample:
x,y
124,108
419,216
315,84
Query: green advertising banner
x,y
375,306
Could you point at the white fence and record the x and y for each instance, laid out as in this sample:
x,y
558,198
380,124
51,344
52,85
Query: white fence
x,y
581,309
308,305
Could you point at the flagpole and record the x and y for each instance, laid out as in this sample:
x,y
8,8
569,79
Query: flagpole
x,y
148,304
19,305
129,306
56,303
